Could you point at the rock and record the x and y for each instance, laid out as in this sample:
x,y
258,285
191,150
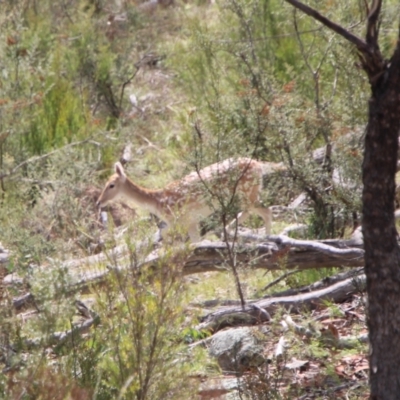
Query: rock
x,y
4,255
237,349
218,388
3,258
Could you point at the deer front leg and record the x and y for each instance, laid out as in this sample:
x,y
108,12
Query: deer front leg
x,y
241,217
163,229
194,232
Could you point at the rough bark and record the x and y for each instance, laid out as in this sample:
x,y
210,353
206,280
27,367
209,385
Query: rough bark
x,y
382,254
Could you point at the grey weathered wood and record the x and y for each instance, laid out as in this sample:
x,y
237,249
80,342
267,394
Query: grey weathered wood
x,y
233,316
274,253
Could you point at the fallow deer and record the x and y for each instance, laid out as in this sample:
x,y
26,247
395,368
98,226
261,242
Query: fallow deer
x,y
187,201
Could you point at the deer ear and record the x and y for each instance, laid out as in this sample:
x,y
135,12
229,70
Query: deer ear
x,y
119,169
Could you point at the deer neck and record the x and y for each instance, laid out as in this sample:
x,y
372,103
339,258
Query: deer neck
x,y
143,198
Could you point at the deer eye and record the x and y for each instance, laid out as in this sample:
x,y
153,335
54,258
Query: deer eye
x,y
112,185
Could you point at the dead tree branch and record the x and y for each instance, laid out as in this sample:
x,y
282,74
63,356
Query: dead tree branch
x,y
276,253
233,316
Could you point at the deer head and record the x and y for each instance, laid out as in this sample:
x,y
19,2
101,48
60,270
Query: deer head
x,y
114,186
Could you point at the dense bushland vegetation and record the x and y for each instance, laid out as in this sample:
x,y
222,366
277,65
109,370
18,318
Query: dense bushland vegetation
x,y
185,86
279,86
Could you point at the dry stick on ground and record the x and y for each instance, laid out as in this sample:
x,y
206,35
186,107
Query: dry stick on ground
x,y
330,280
279,279
62,338
321,284
233,316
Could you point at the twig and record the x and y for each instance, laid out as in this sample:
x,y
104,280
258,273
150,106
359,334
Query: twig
x,y
125,84
277,280
60,338
44,156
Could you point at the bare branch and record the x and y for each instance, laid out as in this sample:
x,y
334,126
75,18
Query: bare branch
x,y
358,42
368,51
280,278
127,82
38,158
372,29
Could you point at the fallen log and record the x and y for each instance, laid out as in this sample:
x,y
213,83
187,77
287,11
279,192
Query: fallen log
x,y
323,283
329,280
269,253
251,315
286,253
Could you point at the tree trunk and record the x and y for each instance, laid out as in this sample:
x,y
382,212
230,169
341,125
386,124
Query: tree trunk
x,y
382,256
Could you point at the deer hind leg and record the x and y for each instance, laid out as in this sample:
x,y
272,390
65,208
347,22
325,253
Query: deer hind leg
x,y
194,232
266,214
